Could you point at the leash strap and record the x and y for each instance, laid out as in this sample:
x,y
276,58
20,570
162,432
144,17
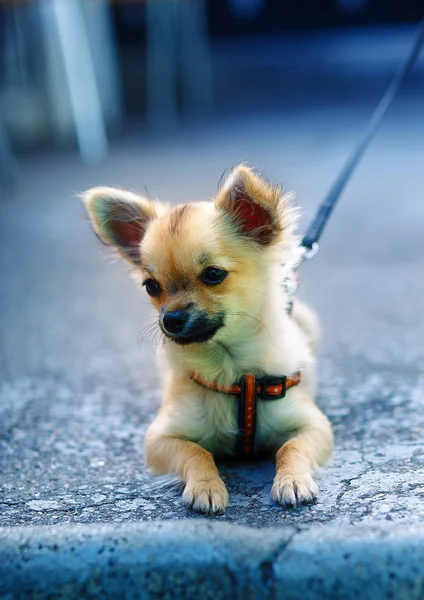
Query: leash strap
x,y
248,390
315,230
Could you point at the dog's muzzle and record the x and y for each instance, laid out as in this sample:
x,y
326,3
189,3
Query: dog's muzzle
x,y
188,326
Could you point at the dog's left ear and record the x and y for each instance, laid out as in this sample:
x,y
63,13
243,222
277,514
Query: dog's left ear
x,y
255,206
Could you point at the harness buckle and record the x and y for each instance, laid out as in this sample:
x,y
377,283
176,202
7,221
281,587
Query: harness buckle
x,y
269,381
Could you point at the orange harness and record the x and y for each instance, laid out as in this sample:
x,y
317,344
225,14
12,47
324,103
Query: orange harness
x,y
249,389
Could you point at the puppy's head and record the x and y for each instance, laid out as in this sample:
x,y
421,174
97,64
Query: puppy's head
x,y
207,266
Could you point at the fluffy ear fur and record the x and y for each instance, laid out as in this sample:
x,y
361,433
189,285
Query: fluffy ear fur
x,y
120,219
255,206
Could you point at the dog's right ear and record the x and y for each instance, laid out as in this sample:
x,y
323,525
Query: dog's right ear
x,y
120,219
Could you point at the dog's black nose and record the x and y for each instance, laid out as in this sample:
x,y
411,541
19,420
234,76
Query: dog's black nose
x,y
175,321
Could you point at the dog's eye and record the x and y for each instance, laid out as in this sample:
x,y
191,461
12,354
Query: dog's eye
x,y
152,287
213,275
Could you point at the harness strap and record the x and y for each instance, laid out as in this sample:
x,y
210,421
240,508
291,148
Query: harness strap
x,y
247,416
249,389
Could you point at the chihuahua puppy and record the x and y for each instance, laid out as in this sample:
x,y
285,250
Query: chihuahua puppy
x,y
212,271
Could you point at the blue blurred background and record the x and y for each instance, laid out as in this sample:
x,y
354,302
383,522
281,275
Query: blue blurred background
x,y
82,73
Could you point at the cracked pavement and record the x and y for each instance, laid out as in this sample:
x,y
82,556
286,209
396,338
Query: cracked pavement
x,y
78,387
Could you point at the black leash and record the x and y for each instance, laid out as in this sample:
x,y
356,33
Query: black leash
x,y
313,234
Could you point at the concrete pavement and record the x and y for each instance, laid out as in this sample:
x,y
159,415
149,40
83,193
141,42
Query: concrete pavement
x,y
212,561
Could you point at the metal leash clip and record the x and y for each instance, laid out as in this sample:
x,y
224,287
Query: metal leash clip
x,y
290,279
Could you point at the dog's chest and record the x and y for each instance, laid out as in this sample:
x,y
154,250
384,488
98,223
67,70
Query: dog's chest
x,y
219,423
219,430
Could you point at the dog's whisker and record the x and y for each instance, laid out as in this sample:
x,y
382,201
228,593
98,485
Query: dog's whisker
x,y
149,327
244,315
146,334
226,333
148,331
260,292
149,317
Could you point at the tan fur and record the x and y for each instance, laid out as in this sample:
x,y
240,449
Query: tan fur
x,y
195,424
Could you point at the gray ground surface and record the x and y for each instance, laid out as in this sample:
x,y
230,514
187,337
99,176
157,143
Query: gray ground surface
x,y
77,389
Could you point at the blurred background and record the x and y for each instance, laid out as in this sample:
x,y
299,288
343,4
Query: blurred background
x,y
82,73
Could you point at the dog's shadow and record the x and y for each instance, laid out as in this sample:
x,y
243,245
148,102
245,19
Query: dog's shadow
x,y
248,480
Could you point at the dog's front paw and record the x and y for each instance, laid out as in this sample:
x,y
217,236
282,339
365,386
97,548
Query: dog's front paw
x,y
293,490
206,496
